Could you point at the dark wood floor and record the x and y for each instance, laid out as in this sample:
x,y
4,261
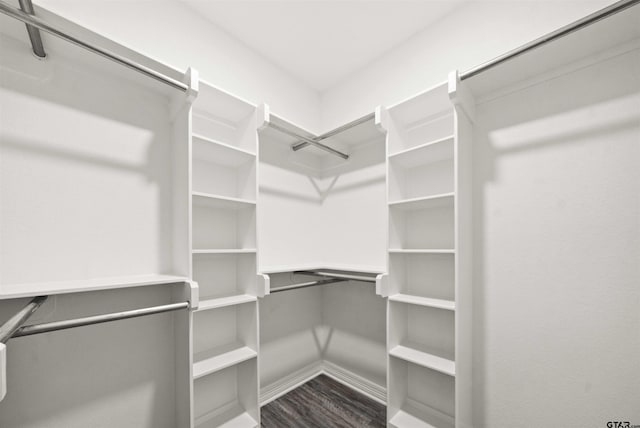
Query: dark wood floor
x,y
323,403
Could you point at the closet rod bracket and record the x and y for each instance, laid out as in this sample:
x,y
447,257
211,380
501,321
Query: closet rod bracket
x,y
8,329
34,34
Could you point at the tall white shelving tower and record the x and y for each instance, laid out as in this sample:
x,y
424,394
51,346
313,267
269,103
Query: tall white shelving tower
x,y
224,261
428,284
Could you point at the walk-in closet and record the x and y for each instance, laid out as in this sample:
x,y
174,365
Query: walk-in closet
x,y
403,214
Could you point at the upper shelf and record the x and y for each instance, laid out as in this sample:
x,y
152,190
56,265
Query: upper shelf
x,y
14,291
427,202
360,135
607,37
219,152
429,103
221,104
429,152
223,202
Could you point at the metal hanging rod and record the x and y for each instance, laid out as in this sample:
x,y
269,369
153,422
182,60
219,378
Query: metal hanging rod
x,y
36,22
345,127
308,140
562,32
9,328
344,276
96,319
34,33
306,284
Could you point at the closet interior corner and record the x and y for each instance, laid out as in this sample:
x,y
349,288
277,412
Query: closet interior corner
x,y
173,255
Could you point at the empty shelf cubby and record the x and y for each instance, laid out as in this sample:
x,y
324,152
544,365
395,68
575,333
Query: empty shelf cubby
x,y
422,172
225,326
228,397
222,170
423,335
426,223
420,397
423,275
224,275
221,226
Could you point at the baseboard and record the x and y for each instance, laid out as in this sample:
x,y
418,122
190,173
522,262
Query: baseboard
x,y
354,381
347,377
428,413
289,382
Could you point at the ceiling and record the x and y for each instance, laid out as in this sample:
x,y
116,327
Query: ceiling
x,y
322,42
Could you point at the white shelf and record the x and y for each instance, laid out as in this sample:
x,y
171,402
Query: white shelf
x,y
424,359
433,151
424,301
243,420
222,104
427,103
403,419
208,362
13,291
220,302
315,267
224,251
215,151
425,202
218,201
421,251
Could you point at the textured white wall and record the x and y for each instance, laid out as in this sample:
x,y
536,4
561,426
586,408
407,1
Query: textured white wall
x,y
172,33
474,33
557,251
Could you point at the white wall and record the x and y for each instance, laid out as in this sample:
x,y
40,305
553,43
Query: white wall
x,y
474,33
170,32
557,246
354,319
118,374
311,220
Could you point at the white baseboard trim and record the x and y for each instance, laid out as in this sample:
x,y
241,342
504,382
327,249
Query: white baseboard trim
x,y
289,382
334,371
354,381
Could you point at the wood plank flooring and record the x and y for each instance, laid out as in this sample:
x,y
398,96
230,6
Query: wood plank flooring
x,y
323,403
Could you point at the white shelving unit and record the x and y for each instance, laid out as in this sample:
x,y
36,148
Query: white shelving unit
x,y
224,261
428,287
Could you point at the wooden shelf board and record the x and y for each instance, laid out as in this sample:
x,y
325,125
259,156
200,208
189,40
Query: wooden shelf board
x,y
424,359
211,150
220,302
421,251
219,201
13,291
208,362
424,301
425,202
223,251
423,154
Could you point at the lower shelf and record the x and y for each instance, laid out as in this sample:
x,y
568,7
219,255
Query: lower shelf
x,y
220,302
420,418
14,291
424,359
241,421
403,419
208,362
228,397
233,418
423,301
